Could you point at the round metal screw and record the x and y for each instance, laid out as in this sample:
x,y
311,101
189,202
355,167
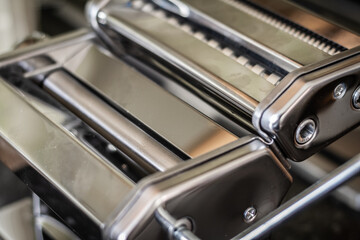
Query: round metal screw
x,y
356,98
250,214
340,91
305,132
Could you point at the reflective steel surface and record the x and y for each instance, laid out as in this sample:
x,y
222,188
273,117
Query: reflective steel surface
x,y
198,187
87,120
29,139
132,92
118,130
309,94
230,15
206,64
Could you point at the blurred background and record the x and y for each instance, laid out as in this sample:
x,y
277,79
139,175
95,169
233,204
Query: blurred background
x,y
19,19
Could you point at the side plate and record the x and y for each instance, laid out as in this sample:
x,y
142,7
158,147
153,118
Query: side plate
x,y
310,103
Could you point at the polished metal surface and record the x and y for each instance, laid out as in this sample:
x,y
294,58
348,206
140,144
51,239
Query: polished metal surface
x,y
249,27
137,95
98,124
91,11
63,118
30,147
37,69
112,125
209,66
194,95
307,93
219,178
219,43
302,200
33,65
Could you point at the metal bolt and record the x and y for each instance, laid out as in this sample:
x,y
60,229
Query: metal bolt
x,y
250,214
356,98
340,91
305,132
111,148
102,17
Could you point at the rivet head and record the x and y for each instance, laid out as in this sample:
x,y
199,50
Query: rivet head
x,y
250,214
340,91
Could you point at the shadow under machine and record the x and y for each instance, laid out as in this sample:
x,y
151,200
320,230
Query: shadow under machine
x,y
178,119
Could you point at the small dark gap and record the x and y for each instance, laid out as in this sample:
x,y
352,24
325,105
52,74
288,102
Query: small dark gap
x,y
116,157
52,22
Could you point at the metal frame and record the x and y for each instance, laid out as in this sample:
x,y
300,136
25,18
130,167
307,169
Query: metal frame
x,y
329,183
40,167
28,165
301,96
275,218
181,187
